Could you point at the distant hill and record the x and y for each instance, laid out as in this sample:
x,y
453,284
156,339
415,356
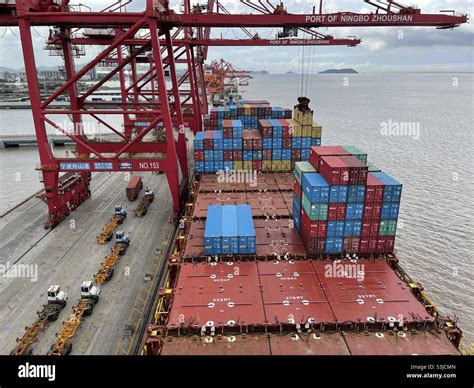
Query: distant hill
x,y
339,71
258,72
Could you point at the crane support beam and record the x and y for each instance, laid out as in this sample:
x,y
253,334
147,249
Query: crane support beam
x,y
340,19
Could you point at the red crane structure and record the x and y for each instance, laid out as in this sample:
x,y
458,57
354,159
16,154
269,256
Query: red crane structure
x,y
149,104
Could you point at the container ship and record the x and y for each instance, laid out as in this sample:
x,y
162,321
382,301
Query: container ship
x,y
248,234
314,272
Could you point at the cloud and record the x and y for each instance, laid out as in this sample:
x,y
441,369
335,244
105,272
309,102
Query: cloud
x,y
382,47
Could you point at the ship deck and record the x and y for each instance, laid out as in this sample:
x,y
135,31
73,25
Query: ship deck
x,y
280,301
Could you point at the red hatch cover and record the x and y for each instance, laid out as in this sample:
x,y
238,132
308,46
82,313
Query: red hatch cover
x,y
269,203
217,294
378,294
308,344
401,343
274,238
211,183
203,200
249,345
277,239
261,182
292,294
284,180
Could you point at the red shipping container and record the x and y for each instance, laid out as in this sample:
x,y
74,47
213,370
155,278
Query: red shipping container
x,y
228,155
390,244
377,211
286,142
256,140
364,245
267,154
295,155
238,155
373,190
334,170
199,156
285,128
226,123
366,228
316,152
351,245
248,140
227,133
357,170
254,111
208,142
341,212
257,165
297,189
381,244
265,128
134,187
312,228
315,245
374,228
368,212
372,244
337,211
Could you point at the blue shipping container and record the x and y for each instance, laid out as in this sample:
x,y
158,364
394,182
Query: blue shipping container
x,y
315,187
247,241
392,189
230,230
213,230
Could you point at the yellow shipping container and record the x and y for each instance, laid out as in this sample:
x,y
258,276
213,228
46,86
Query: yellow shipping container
x,y
317,130
295,128
267,165
238,166
286,165
247,165
307,129
276,165
304,118
247,110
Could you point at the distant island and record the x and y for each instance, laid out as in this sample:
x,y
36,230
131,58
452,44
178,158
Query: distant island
x,y
339,71
258,72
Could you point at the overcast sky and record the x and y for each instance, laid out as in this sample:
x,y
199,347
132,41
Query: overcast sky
x,y
421,49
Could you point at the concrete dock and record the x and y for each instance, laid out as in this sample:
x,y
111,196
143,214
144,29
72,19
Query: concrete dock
x,y
70,254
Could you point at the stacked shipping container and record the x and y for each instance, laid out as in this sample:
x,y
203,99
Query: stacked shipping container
x,y
339,207
229,230
234,143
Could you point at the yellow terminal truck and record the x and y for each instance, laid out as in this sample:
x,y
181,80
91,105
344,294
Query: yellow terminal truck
x,y
89,298
147,199
119,215
57,300
122,242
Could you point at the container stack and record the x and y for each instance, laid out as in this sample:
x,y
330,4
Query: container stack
x,y
249,112
255,136
339,207
382,203
229,230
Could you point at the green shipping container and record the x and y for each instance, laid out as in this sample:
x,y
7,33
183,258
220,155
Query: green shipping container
x,y
373,168
357,153
383,228
315,211
301,168
392,228
388,228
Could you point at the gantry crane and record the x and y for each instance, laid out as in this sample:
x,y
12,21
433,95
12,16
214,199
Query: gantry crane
x,y
161,38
